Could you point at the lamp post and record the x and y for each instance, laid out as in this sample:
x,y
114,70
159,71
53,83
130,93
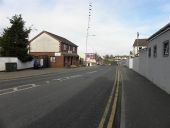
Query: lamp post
x,y
88,27
137,44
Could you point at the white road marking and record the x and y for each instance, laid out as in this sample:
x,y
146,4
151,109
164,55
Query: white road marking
x,y
47,82
68,77
29,86
91,72
17,89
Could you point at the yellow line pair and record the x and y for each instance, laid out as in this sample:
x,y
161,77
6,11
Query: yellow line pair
x,y
113,112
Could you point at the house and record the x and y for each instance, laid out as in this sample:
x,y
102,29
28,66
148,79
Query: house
x,y
138,45
56,51
82,58
120,58
153,62
158,58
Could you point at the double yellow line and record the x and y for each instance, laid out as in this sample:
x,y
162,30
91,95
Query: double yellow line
x,y
115,93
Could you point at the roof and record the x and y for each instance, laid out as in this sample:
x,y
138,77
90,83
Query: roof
x,y
140,42
59,38
163,29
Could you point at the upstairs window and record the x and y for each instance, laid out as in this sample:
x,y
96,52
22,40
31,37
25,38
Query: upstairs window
x,y
166,48
155,51
65,47
149,54
74,49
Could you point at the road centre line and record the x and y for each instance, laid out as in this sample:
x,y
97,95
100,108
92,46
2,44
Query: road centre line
x,y
17,89
28,86
91,72
47,82
101,124
68,77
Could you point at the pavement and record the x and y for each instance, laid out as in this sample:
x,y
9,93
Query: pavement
x,y
144,104
74,99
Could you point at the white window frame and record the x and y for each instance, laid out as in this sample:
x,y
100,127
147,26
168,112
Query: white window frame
x,y
74,49
65,47
166,49
155,51
69,48
52,59
149,52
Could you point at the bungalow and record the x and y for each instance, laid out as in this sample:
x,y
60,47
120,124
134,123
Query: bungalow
x,y
158,58
138,45
56,51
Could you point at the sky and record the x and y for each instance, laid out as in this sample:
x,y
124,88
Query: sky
x,y
113,22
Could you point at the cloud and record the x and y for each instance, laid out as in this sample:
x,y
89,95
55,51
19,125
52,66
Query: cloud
x,y
114,24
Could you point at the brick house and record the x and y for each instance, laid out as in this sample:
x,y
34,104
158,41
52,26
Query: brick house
x,y
56,51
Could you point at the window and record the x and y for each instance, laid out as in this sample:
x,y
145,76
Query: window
x,y
65,47
166,48
74,49
52,59
155,51
69,48
149,54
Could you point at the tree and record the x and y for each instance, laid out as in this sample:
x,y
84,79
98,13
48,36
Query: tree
x,y
106,57
14,40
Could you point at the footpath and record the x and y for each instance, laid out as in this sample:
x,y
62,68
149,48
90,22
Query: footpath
x,y
34,72
144,105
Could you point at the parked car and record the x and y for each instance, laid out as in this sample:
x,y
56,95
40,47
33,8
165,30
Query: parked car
x,y
37,64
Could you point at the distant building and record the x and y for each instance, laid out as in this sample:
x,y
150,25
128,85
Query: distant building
x,y
90,59
139,44
55,50
82,58
119,58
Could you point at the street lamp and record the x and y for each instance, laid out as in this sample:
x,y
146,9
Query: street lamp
x,y
137,44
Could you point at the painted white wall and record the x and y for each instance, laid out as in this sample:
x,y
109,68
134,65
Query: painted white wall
x,y
20,65
136,64
136,48
44,43
130,62
159,67
156,69
143,62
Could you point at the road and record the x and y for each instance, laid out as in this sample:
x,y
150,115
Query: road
x,y
75,99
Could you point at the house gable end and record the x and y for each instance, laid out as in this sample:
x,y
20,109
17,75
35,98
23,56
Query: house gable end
x,y
44,43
